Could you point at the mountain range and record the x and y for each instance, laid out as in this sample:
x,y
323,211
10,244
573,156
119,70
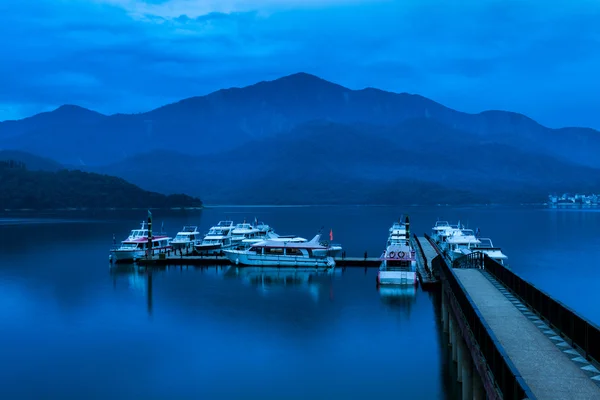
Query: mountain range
x,y
301,139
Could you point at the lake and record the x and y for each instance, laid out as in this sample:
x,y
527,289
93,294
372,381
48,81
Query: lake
x,y
74,328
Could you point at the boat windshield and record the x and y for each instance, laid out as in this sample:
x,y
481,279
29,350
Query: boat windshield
x,y
128,246
181,237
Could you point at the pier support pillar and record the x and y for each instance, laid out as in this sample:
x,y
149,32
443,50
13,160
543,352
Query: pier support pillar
x,y
478,393
445,315
450,331
467,376
460,355
454,344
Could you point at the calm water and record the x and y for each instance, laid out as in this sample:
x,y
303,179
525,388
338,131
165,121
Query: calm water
x,y
73,328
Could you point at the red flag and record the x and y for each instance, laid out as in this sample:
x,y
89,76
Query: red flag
x,y
331,234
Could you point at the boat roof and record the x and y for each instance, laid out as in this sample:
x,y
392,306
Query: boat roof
x,y
223,224
145,239
312,244
244,226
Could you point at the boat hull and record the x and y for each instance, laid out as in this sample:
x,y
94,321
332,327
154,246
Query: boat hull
x,y
208,249
183,245
398,278
123,256
244,258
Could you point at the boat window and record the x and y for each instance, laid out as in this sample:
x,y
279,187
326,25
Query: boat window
x,y
274,250
293,252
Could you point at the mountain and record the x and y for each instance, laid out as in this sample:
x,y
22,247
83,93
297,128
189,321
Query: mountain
x,y
33,162
329,163
211,124
21,188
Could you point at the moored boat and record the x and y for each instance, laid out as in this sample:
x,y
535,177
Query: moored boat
x,y
398,265
217,239
136,246
487,247
187,238
283,254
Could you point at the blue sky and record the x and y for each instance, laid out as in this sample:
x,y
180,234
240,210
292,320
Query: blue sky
x,y
538,58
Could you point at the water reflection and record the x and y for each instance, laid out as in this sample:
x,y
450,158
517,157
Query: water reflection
x,y
271,280
398,297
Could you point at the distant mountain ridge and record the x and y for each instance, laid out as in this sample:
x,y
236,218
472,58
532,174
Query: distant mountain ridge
x,y
301,139
211,123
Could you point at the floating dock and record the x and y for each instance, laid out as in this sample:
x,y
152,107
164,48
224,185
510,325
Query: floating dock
x,y
425,254
369,262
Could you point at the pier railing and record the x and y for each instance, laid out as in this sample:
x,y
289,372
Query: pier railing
x,y
472,260
481,340
582,333
425,264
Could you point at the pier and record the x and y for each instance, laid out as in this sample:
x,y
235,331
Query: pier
x,y
511,340
426,258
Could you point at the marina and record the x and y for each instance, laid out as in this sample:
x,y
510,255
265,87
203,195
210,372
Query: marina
x,y
475,286
201,291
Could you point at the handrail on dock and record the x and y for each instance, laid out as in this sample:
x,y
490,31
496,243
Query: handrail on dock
x,y
507,378
582,333
425,264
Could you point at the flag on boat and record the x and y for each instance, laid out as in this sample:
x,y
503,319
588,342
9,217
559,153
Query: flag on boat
x,y
255,221
149,214
331,234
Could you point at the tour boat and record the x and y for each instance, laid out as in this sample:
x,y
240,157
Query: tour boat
x,y
443,230
217,239
244,231
284,254
187,238
487,247
397,233
398,265
136,245
461,239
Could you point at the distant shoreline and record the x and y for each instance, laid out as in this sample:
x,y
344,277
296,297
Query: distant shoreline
x,y
216,206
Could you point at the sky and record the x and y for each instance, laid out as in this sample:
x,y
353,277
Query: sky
x,y
539,58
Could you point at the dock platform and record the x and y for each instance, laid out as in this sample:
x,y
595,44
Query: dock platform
x,y
176,260
425,254
548,364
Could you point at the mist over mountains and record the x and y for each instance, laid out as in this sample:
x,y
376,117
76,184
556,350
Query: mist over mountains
x,y
302,140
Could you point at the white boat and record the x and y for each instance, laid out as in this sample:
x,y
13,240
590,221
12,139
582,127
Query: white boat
x,y
187,238
460,240
487,247
217,239
397,233
244,231
283,254
398,266
136,246
442,230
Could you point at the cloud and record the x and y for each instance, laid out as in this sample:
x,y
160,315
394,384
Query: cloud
x,y
130,56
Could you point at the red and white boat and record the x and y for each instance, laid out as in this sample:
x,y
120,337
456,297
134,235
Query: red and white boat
x,y
136,246
398,265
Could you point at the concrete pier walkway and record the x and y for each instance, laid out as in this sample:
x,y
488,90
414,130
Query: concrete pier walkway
x,y
549,365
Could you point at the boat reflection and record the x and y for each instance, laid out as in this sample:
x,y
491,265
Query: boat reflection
x,y
139,280
270,280
398,297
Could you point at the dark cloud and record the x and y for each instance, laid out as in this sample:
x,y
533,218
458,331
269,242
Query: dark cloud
x,y
532,57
